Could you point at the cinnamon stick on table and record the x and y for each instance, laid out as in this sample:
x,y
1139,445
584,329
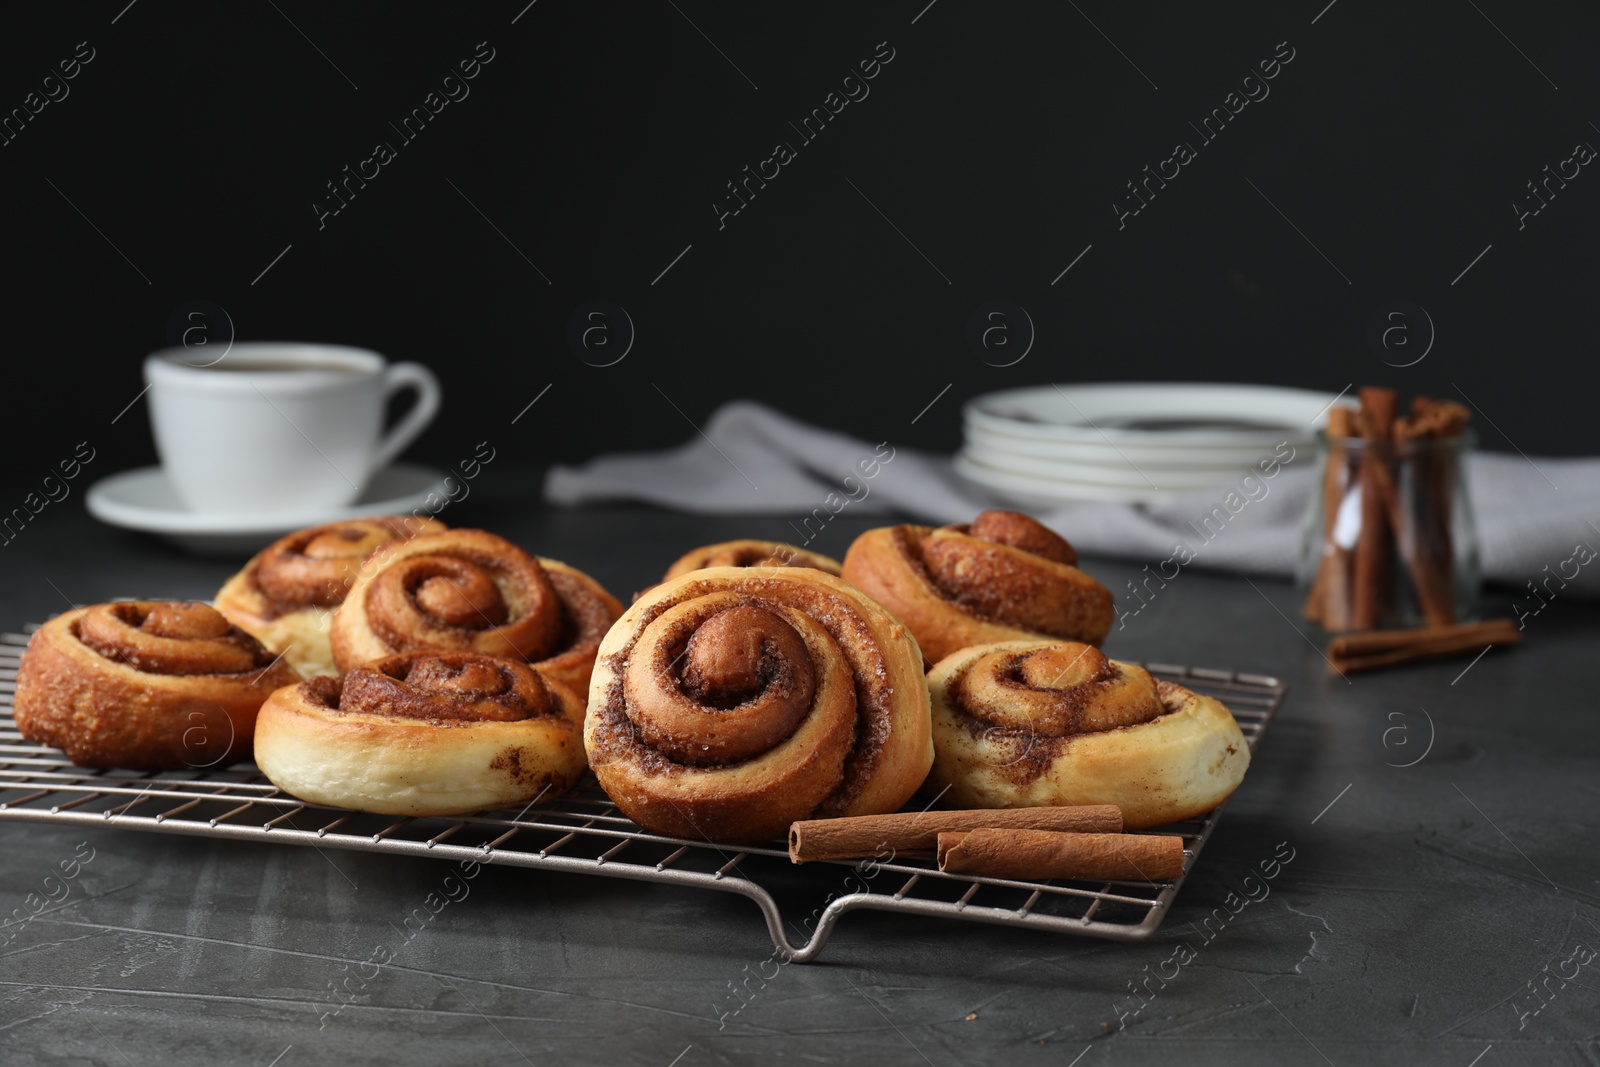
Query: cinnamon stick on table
x,y
860,836
1034,854
1386,648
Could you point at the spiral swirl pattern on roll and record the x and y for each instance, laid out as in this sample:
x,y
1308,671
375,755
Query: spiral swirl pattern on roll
x,y
442,687
425,732
1002,577
1056,691
170,637
286,594
1032,723
470,590
729,702
751,553
145,684
317,566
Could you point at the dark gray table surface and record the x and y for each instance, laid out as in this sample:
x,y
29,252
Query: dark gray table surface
x,y
1438,913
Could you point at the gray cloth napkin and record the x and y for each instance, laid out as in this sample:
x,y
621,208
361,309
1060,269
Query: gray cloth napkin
x,y
1538,520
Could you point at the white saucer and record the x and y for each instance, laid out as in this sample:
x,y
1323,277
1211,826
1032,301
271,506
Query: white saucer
x,y
1101,452
1031,491
1166,416
1143,475
1130,441
144,500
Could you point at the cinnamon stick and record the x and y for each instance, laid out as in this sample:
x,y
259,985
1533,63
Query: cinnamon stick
x,y
1341,422
1430,581
1427,543
1372,545
1362,644
1328,601
1443,419
1415,529
1432,418
1387,648
1441,507
860,836
1035,854
1337,607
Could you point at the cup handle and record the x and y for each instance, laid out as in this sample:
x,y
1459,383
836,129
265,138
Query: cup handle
x,y
397,377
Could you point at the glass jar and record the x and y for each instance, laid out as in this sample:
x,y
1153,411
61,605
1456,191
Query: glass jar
x,y
1389,538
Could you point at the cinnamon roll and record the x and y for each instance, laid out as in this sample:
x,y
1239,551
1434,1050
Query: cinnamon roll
x,y
729,702
1033,723
1003,577
145,685
751,553
286,595
471,590
428,732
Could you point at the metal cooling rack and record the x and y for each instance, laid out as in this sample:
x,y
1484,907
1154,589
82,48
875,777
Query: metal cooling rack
x,y
583,833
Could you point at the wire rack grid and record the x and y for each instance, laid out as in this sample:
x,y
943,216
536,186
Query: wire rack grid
x,y
581,832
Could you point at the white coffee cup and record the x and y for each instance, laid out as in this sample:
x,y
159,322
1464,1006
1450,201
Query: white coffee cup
x,y
275,427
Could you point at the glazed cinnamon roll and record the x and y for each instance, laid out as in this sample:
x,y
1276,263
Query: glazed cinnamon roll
x,y
751,553
471,590
145,685
1003,577
1032,723
729,702
429,732
286,595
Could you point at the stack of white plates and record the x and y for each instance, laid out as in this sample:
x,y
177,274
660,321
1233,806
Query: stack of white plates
x,y
1050,444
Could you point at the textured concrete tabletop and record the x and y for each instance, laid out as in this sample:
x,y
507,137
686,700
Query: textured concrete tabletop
x,y
1440,906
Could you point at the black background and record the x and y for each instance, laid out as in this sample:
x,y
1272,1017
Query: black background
x,y
997,139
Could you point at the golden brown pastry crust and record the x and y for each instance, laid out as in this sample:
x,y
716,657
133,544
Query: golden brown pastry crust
x,y
729,702
145,685
1034,723
424,733
468,589
287,594
750,552
1003,577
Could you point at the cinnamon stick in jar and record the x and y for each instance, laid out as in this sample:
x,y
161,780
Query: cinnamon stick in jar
x,y
1376,420
1405,476
1444,419
1328,601
882,836
1424,535
1035,854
